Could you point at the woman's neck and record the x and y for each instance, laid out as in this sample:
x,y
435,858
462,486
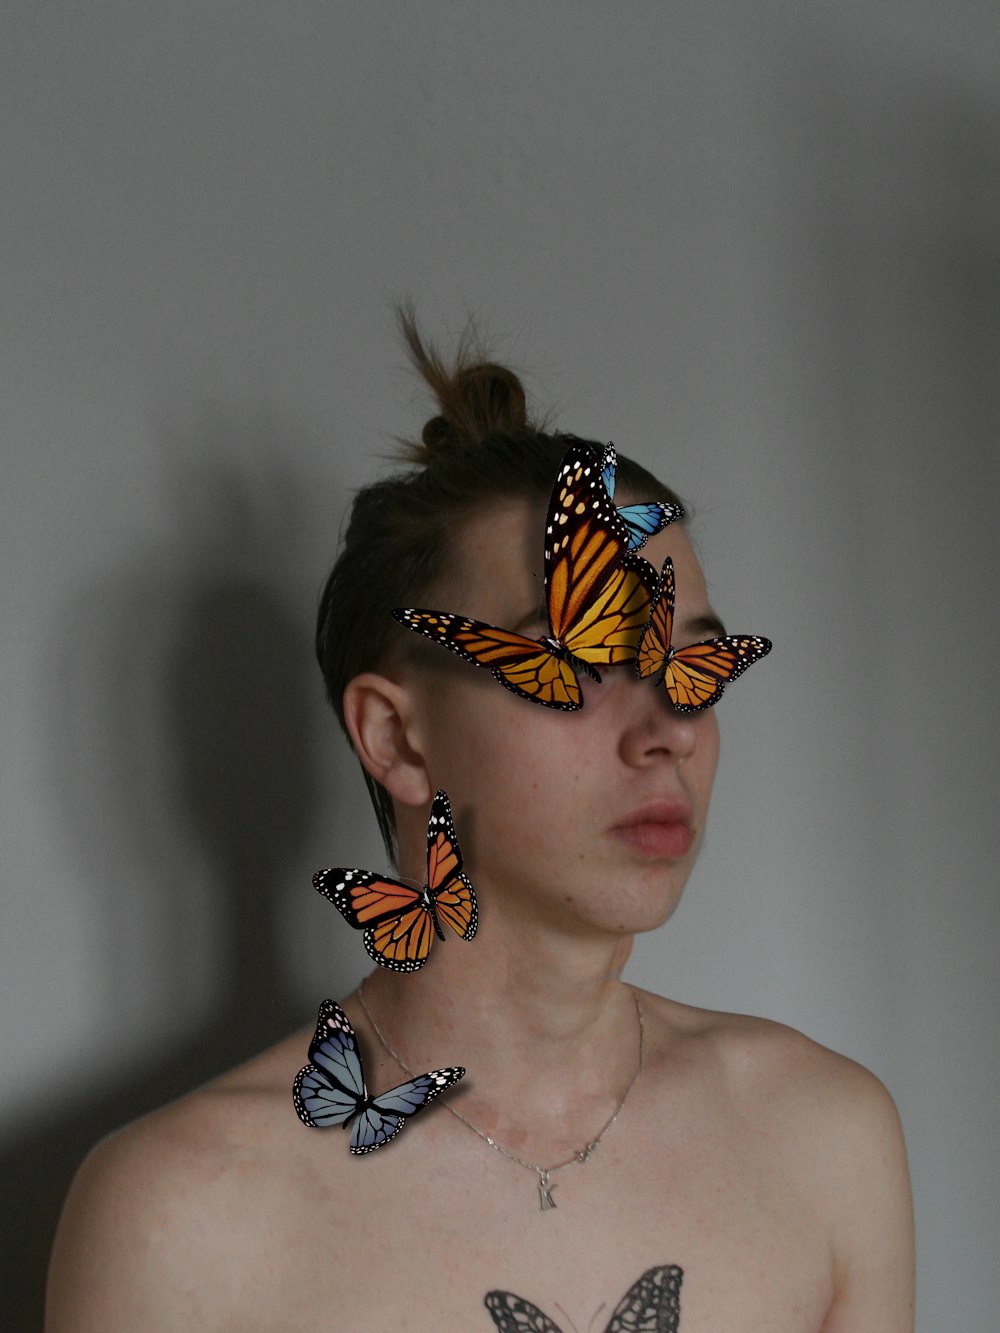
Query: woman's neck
x,y
543,1024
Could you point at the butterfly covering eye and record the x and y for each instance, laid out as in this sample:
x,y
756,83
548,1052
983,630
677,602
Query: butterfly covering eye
x,y
598,596
330,1089
400,921
643,520
695,676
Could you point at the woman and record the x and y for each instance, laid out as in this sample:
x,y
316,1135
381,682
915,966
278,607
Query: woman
x,y
608,1150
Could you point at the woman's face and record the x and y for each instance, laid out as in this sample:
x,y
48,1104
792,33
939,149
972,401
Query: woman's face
x,y
592,818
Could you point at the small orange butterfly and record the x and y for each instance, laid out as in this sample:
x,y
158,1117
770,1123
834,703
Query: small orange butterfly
x,y
598,596
399,921
694,676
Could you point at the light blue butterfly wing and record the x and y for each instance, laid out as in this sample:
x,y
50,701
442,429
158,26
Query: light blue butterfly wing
x,y
331,1088
320,1103
642,520
646,520
384,1116
609,464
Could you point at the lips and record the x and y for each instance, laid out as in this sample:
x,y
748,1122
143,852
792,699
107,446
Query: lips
x,y
660,829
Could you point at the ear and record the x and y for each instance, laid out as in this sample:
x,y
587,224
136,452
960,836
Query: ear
x,y
377,714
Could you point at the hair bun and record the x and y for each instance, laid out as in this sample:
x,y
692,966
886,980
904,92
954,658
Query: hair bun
x,y
436,435
490,399
477,401
475,398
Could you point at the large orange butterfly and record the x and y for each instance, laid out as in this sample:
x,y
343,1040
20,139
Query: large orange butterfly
x,y
694,676
598,597
399,921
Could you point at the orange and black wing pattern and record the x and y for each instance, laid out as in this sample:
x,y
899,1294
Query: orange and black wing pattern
x,y
526,666
400,921
586,542
607,631
695,676
398,925
597,595
452,893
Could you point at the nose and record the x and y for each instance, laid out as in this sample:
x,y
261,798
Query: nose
x,y
652,729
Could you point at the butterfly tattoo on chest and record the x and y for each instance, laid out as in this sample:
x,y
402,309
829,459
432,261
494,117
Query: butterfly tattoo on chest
x,y
651,1305
597,596
400,921
330,1089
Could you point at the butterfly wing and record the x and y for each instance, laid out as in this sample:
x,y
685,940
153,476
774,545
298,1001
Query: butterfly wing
x,y
525,666
642,520
331,1088
513,1314
609,466
696,676
453,894
585,540
647,519
384,1116
398,927
608,630
362,897
652,1304
654,642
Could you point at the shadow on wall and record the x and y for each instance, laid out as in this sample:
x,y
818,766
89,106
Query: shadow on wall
x,y
183,743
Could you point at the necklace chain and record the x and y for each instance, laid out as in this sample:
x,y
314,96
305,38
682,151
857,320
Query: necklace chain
x,y
581,1155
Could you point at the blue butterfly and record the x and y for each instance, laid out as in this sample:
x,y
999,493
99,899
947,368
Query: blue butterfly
x,y
642,520
331,1089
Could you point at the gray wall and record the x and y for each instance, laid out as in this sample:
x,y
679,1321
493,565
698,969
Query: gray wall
x,y
757,245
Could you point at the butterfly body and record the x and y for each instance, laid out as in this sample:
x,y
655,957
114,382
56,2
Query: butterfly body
x,y
427,902
331,1089
597,595
563,654
400,921
696,675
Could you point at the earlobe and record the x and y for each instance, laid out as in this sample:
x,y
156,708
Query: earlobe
x,y
376,714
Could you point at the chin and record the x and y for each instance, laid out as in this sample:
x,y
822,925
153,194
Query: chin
x,y
638,913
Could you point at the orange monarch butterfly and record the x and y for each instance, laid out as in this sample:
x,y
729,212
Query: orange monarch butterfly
x,y
598,596
694,676
399,921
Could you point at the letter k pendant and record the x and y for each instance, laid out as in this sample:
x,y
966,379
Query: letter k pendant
x,y
545,1191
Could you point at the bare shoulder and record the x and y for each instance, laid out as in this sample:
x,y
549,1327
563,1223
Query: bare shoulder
x,y
140,1242
827,1135
775,1070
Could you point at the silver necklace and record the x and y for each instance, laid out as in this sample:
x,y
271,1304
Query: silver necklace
x,y
544,1174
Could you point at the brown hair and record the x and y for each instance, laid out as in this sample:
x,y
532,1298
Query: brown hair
x,y
479,448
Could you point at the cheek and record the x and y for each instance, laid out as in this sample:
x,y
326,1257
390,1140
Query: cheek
x,y
707,753
484,738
